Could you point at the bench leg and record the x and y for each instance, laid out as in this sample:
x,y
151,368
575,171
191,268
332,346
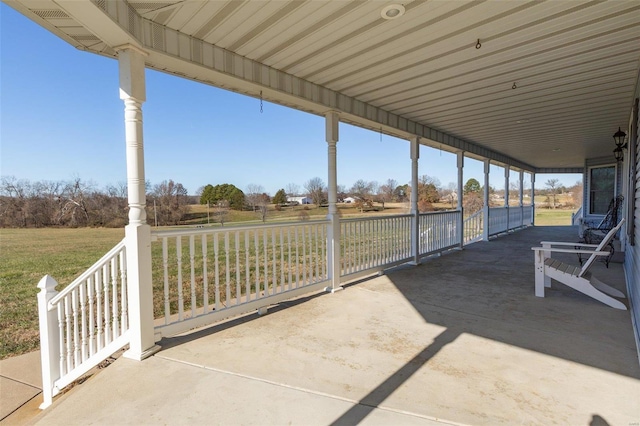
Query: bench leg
x,y
541,280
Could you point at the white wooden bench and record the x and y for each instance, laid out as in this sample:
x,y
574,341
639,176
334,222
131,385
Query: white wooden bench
x,y
575,277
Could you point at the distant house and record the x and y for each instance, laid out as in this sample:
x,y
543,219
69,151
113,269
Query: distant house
x,y
350,200
299,200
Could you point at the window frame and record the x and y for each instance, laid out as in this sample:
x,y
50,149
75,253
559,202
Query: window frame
x,y
615,186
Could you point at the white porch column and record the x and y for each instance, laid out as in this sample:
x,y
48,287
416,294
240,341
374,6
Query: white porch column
x,y
485,206
521,188
533,198
521,195
507,170
414,151
137,232
332,121
460,158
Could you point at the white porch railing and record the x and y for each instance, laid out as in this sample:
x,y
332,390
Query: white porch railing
x,y
205,275
473,227
376,243
515,217
83,324
439,232
527,215
498,220
503,219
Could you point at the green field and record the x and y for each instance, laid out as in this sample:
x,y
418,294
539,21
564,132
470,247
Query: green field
x,y
29,254
26,255
550,217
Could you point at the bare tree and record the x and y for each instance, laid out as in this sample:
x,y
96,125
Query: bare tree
x,y
293,190
386,191
263,206
253,194
73,210
13,207
171,202
552,188
315,189
451,193
361,189
221,211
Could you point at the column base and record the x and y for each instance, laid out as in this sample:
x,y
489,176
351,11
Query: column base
x,y
333,289
144,355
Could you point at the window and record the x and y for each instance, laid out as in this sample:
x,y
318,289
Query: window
x,y
602,184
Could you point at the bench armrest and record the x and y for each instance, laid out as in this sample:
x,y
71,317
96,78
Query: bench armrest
x,y
554,243
576,251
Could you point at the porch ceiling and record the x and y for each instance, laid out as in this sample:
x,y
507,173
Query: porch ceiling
x,y
573,64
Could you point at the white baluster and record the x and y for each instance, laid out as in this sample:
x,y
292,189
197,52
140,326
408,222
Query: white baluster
x,y
165,267
92,318
192,260
83,321
114,298
282,264
238,276
100,323
76,328
297,258
317,260
124,322
305,272
265,259
217,271
227,276
180,292
61,340
290,263
205,278
68,347
107,319
247,269
257,266
274,284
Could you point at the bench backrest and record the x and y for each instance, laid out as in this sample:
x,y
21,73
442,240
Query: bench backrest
x,y
607,239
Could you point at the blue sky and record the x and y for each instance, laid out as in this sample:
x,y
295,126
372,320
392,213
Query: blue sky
x,y
61,118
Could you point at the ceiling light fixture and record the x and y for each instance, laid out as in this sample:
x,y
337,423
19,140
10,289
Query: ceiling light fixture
x,y
392,11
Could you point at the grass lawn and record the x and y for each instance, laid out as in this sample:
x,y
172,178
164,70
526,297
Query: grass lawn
x,y
26,255
550,217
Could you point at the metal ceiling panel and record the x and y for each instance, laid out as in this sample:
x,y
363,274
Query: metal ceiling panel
x,y
574,64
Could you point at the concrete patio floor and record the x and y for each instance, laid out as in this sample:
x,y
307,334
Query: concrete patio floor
x,y
460,339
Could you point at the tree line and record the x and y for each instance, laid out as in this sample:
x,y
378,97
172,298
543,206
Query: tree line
x,y
77,202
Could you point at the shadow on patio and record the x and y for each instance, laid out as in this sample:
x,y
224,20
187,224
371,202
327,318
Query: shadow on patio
x,y
460,339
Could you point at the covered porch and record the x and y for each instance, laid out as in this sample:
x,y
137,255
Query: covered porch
x,y
532,87
458,339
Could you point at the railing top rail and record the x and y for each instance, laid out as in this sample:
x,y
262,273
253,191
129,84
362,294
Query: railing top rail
x,y
210,230
86,274
440,212
385,216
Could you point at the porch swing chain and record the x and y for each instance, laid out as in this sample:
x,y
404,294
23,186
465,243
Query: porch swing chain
x,y
261,102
